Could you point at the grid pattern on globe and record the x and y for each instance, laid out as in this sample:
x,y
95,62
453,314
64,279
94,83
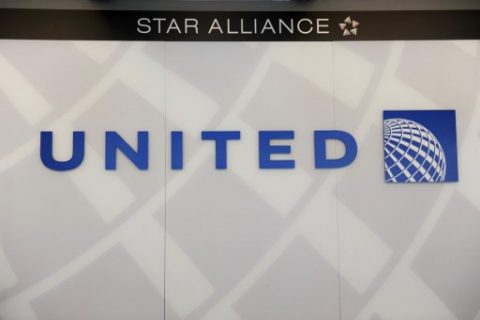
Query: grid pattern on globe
x,y
412,153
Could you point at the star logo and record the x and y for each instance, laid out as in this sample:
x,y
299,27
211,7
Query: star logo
x,y
349,27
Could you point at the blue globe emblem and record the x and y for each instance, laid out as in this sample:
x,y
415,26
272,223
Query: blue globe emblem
x,y
412,153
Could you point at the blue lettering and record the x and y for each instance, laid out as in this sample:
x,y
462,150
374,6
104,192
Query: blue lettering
x,y
220,138
177,150
46,151
114,141
266,149
320,141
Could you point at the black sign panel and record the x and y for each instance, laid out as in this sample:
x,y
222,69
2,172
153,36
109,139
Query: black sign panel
x,y
238,26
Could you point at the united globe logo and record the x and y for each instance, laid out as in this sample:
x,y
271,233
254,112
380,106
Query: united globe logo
x,y
420,146
412,153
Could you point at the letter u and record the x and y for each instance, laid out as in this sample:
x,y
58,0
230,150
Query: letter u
x,y
46,151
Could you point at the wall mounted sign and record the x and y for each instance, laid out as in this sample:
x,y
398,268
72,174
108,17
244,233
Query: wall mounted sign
x,y
239,165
